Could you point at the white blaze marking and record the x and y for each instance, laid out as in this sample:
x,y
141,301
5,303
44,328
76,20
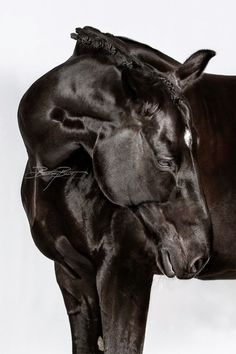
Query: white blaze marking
x,y
188,137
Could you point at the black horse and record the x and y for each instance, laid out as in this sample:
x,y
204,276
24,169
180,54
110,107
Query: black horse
x,y
130,166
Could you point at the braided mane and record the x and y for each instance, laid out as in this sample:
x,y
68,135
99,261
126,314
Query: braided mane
x,y
92,40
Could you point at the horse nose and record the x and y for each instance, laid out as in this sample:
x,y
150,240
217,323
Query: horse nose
x,y
198,264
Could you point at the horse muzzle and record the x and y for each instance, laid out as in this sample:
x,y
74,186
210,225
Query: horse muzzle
x,y
172,264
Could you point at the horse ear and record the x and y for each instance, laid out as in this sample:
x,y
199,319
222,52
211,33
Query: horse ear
x,y
187,73
125,168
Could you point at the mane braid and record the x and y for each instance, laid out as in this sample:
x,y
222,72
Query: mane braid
x,y
104,46
175,94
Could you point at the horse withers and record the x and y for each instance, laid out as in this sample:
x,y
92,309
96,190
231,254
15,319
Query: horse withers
x,y
111,187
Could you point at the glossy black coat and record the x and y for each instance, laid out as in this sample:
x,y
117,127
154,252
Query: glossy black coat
x,y
114,192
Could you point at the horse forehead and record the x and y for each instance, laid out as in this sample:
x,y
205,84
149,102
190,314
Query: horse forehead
x,y
171,125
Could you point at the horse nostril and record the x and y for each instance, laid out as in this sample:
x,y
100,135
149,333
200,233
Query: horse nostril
x,y
197,264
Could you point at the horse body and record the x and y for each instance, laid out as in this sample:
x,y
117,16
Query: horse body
x,y
94,228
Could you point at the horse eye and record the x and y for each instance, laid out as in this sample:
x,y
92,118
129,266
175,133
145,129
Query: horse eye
x,y
167,163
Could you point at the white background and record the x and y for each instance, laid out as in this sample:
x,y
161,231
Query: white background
x,y
185,317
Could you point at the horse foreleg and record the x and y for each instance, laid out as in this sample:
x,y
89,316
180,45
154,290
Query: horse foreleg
x,y
124,293
81,301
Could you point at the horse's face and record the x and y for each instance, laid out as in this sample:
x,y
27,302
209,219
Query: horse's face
x,y
179,222
147,162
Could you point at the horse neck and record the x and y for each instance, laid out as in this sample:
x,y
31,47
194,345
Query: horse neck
x,y
150,55
213,109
